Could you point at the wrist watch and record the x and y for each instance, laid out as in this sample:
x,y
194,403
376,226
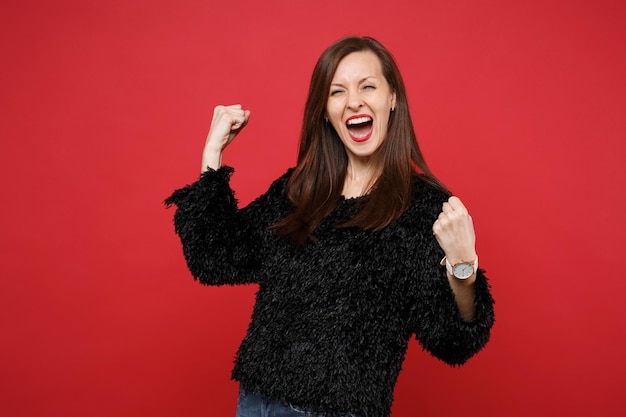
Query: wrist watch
x,y
461,270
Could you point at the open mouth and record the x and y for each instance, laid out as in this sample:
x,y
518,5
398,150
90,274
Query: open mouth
x,y
360,127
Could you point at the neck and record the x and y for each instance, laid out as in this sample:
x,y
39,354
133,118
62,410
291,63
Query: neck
x,y
360,177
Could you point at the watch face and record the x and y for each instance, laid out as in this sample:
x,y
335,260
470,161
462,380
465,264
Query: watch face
x,y
463,270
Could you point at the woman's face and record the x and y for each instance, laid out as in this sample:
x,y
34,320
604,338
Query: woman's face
x,y
359,103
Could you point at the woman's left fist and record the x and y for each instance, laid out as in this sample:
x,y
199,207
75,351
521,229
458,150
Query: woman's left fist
x,y
454,232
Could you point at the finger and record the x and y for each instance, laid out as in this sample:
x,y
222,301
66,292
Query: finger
x,y
246,117
239,114
447,208
234,112
225,111
456,204
240,119
236,123
436,227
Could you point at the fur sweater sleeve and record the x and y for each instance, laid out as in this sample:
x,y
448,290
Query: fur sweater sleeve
x,y
222,244
439,327
435,317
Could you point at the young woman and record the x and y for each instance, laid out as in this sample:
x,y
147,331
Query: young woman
x,y
354,250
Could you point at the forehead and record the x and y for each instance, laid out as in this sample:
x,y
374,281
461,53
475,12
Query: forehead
x,y
357,66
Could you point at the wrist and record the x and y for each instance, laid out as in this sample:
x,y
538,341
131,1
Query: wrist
x,y
454,257
211,159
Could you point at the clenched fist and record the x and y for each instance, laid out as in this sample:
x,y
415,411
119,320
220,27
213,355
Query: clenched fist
x,y
454,232
227,122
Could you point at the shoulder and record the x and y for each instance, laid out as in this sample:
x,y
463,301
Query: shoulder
x,y
279,185
427,198
276,194
427,194
268,207
411,233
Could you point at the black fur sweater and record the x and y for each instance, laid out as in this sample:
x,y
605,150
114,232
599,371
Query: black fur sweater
x,y
332,320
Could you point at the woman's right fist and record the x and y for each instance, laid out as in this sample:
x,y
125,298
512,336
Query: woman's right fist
x,y
227,122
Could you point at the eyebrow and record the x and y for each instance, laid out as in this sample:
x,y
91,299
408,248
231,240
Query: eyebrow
x,y
360,81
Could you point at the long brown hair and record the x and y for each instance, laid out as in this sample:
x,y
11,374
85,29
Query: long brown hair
x,y
315,186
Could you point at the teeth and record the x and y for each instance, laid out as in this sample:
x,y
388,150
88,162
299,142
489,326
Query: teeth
x,y
359,120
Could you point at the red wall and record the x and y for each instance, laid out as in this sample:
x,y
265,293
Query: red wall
x,y
105,105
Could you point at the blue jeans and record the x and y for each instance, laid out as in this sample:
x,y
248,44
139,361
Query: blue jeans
x,y
255,405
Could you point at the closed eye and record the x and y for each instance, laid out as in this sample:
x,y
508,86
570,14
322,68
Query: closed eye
x,y
335,92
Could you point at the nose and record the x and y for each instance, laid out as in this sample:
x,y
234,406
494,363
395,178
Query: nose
x,y
354,100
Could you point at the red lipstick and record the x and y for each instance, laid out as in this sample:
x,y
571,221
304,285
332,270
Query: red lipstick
x,y
360,127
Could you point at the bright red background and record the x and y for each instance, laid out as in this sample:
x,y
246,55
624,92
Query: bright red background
x,y
520,108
